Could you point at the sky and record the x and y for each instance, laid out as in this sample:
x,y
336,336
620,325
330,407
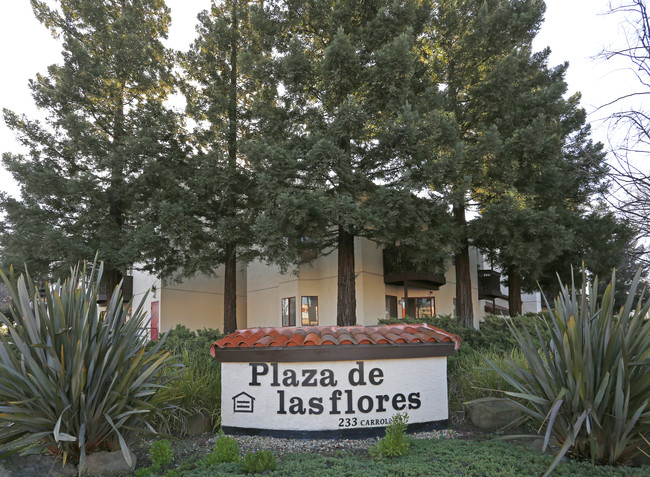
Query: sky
x,y
575,30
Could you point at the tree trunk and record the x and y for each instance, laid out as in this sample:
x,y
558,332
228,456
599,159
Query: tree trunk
x,y
464,307
514,291
112,277
230,276
346,306
230,290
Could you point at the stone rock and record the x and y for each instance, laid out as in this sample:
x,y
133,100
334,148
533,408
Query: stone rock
x,y
493,413
35,464
107,464
198,424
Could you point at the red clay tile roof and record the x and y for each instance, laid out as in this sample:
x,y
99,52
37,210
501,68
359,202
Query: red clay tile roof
x,y
335,335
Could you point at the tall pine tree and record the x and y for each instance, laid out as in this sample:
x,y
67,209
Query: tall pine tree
x,y
542,174
225,74
355,125
468,39
108,148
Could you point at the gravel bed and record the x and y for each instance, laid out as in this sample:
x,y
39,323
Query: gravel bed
x,y
281,446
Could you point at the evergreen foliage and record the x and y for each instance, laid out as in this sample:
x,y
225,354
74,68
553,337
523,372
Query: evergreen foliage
x,y
223,75
543,176
109,157
468,44
352,135
316,122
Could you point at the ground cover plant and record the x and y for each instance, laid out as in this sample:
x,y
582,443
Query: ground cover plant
x,y
257,462
74,380
589,385
435,457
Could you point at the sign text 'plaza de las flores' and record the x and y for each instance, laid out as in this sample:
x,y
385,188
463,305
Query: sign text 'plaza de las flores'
x,y
333,381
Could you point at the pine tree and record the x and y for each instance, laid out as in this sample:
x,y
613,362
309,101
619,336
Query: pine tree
x,y
224,73
355,126
542,174
108,149
468,39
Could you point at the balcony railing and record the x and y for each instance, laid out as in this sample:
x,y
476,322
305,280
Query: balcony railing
x,y
489,285
400,269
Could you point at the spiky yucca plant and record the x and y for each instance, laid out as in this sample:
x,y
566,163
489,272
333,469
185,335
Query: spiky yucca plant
x,y
74,379
590,384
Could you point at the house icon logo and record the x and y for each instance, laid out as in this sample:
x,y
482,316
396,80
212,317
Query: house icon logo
x,y
243,402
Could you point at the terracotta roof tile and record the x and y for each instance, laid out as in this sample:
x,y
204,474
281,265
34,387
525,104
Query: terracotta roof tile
x,y
393,337
312,338
281,340
361,337
345,338
377,337
329,339
334,335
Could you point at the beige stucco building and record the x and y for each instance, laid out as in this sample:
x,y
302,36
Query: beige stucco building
x,y
307,296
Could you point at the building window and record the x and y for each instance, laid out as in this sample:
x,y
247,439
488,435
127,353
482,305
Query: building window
x,y
391,306
289,311
309,311
421,308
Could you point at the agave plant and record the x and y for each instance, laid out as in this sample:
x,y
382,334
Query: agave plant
x,y
590,384
74,379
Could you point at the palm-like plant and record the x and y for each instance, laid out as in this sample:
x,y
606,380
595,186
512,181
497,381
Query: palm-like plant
x,y
74,379
590,384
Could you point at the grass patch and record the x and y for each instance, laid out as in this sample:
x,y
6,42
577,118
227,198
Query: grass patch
x,y
444,457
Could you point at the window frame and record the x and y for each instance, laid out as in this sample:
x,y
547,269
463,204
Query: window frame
x,y
289,309
416,298
309,305
391,304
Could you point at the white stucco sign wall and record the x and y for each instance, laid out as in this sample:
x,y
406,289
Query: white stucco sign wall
x,y
332,395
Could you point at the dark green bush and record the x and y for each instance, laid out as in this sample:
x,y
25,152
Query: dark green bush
x,y
256,462
226,449
196,343
161,455
494,333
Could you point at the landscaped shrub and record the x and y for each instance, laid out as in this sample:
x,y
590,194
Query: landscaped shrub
x,y
473,378
590,385
195,343
75,379
197,387
394,443
226,449
493,334
256,462
161,455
